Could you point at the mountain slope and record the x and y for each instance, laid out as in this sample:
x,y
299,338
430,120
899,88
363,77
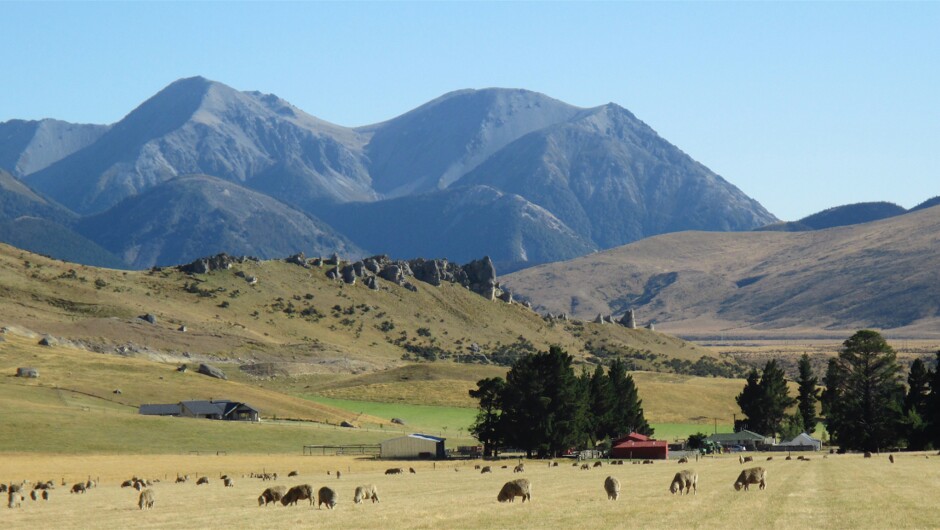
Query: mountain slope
x,y
48,238
461,224
432,146
842,278
194,216
28,146
17,199
198,126
613,180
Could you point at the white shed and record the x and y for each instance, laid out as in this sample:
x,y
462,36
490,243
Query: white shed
x,y
803,442
414,446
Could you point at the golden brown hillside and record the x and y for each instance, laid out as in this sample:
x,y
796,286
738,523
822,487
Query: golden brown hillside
x,y
818,284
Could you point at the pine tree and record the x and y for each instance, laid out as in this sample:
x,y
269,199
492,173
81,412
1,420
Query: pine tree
x,y
749,401
864,394
488,426
932,413
808,395
765,400
627,408
600,403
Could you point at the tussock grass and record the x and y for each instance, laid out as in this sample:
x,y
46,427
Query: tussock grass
x,y
839,492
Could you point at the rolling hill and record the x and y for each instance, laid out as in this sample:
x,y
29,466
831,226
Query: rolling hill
x,y
874,275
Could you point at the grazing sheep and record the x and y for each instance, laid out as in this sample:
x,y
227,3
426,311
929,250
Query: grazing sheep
x,y
145,499
612,487
33,495
686,479
741,459
338,474
180,479
647,461
515,488
394,471
78,488
229,483
598,464
788,457
769,458
519,469
326,496
486,469
293,474
90,484
476,466
891,458
272,494
45,495
867,454
504,467
683,460
748,459
585,466
554,464
753,475
139,485
14,499
367,491
127,484
574,464
3,488
202,480
298,493
412,471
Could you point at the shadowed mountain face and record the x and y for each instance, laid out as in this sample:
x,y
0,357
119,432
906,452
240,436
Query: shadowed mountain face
x,y
459,224
512,174
17,200
195,216
613,180
878,275
28,146
199,126
849,214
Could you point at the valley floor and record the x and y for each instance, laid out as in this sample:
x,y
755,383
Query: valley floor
x,y
840,491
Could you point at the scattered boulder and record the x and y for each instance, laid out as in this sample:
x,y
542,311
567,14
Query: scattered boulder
x,y
298,259
149,317
31,373
208,264
181,329
629,319
348,274
371,282
47,340
347,425
211,371
506,296
399,421
481,277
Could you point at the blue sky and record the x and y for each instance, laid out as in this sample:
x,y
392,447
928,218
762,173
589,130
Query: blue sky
x,y
801,105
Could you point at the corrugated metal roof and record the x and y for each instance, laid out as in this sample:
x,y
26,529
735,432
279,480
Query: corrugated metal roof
x,y
160,410
205,407
427,437
735,436
651,443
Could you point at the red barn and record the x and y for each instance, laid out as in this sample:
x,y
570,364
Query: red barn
x,y
636,445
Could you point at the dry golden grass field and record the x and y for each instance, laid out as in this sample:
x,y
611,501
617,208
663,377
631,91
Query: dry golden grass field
x,y
841,491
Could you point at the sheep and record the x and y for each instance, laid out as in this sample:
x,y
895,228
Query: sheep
x,y
741,459
229,483
515,488
585,466
891,458
867,454
647,461
184,478
788,457
683,460
769,458
45,495
33,495
127,484
686,479
298,493
326,496
14,499
139,485
748,459
3,488
272,494
394,471
293,474
476,466
145,499
519,469
598,464
338,474
202,480
412,471
554,464
486,469
612,487
78,488
366,491
754,475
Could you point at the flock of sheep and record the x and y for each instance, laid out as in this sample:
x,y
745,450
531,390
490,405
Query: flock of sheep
x,y
684,482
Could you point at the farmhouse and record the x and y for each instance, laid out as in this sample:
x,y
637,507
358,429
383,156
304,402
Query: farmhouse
x,y
219,409
636,445
414,446
751,441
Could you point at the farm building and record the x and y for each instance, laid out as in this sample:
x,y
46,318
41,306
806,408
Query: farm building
x,y
802,442
414,446
220,409
636,445
751,441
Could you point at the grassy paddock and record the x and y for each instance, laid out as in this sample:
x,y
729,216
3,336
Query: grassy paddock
x,y
838,492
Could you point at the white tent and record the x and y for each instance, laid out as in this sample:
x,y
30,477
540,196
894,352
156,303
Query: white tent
x,y
804,440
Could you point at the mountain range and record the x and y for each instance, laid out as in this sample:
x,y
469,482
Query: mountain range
x,y
510,173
